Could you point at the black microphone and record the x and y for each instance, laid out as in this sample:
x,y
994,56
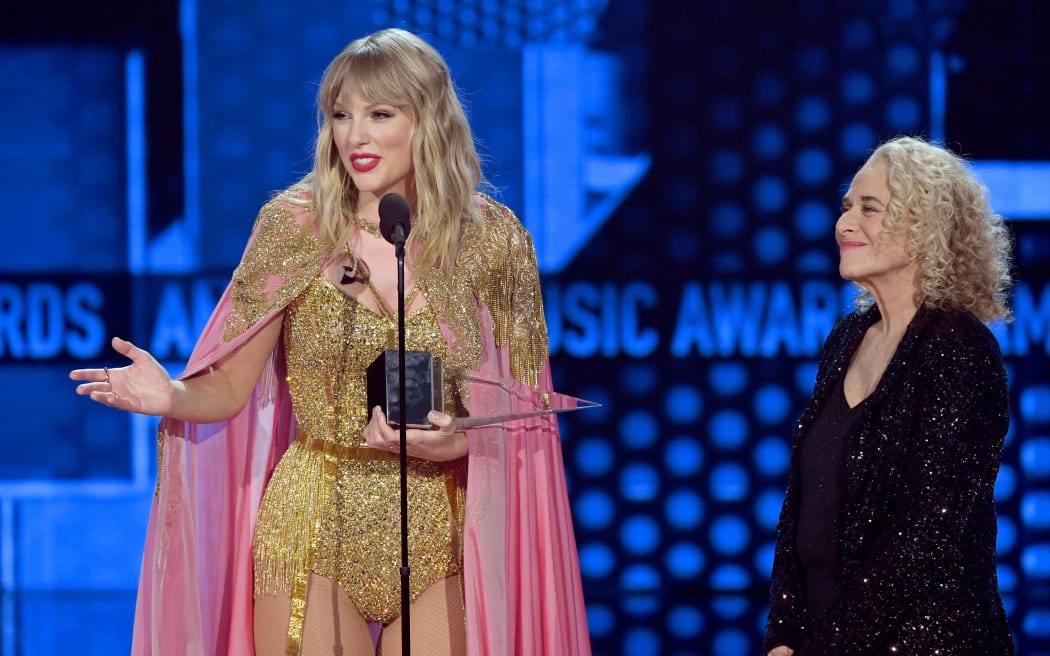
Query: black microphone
x,y
394,218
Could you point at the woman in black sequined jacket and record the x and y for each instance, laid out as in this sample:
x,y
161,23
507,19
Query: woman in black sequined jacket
x,y
886,539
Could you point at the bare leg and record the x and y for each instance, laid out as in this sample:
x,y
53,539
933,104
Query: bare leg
x,y
438,623
332,627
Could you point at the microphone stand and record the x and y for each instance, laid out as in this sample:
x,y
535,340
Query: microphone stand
x,y
399,252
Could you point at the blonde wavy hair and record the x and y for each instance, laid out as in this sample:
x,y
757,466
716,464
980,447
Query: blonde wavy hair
x,y
398,68
961,246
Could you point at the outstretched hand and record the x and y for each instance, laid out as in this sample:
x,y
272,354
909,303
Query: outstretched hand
x,y
442,442
144,386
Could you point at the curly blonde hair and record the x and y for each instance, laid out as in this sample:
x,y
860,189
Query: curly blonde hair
x,y
962,248
398,68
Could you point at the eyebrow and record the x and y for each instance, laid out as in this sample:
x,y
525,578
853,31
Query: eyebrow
x,y
867,199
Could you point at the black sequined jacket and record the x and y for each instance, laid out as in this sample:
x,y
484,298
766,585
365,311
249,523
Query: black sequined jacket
x,y
916,531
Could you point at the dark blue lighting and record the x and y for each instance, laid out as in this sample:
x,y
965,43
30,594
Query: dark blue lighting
x,y
684,456
772,404
640,578
771,456
903,59
638,378
638,430
728,378
730,607
857,141
812,114
771,244
1035,509
904,113
640,534
684,509
726,167
858,87
1006,483
594,456
683,404
769,193
727,429
814,219
1035,457
767,508
642,641
768,141
727,219
730,578
1035,404
729,534
729,482
1035,560
600,619
812,166
684,560
685,622
596,560
594,509
1006,536
639,482
731,641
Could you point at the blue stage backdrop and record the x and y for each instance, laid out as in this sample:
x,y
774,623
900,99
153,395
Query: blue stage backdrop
x,y
679,164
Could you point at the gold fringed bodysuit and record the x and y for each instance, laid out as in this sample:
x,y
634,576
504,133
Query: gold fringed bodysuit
x,y
333,504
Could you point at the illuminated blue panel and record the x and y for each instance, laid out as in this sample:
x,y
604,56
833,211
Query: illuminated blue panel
x,y
767,508
640,578
903,112
639,482
726,167
903,59
857,141
684,509
814,219
812,114
685,622
1035,404
730,578
812,60
805,376
594,456
812,166
727,219
600,620
1007,577
638,378
769,88
594,509
727,378
772,456
1006,483
729,482
639,429
684,560
1035,457
596,560
730,607
683,456
1017,190
683,404
640,534
1035,560
764,559
858,87
1006,536
731,641
770,244
1037,623
769,194
729,534
727,429
642,641
768,141
772,404
1035,509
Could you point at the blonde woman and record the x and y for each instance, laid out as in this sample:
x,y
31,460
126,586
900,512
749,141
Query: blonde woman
x,y
275,527
886,540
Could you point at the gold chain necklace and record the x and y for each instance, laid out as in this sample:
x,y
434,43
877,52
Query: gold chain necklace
x,y
365,224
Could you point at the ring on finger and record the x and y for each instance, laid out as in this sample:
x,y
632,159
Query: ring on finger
x,y
105,370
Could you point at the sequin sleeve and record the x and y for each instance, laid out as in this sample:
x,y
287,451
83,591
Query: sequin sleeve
x,y
277,263
939,477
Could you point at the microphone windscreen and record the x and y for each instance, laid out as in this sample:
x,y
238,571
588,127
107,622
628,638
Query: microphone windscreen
x,y
394,211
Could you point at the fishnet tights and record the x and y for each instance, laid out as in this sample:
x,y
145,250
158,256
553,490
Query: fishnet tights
x,y
334,627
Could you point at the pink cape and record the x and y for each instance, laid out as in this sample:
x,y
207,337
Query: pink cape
x,y
521,573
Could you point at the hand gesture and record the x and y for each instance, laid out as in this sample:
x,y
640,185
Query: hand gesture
x,y
144,386
782,650
442,442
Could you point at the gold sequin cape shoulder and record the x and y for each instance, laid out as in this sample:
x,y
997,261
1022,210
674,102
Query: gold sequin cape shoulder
x,y
520,563
916,530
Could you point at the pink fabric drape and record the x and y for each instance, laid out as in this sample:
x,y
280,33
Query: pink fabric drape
x,y
521,572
